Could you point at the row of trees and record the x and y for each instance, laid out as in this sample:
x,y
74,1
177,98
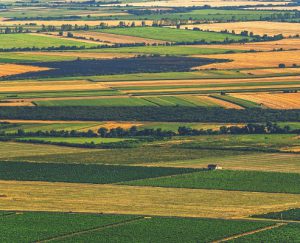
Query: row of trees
x,y
251,128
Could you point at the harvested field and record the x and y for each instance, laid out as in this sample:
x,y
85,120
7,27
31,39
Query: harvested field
x,y
272,71
279,162
114,38
13,69
285,44
37,86
21,149
65,197
273,100
257,27
224,103
255,60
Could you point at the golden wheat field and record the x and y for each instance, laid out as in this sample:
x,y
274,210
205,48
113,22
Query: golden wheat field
x,y
257,27
13,69
273,100
117,199
255,60
284,44
33,86
272,71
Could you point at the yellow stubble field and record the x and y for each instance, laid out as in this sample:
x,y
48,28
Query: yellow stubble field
x,y
119,199
254,60
13,69
273,100
257,27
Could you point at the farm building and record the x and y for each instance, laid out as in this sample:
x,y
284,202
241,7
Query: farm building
x,y
214,167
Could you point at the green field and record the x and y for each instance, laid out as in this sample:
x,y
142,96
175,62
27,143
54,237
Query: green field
x,y
73,140
166,50
35,226
60,227
81,173
169,230
292,214
285,233
96,102
209,15
229,180
13,57
9,41
147,101
173,35
53,94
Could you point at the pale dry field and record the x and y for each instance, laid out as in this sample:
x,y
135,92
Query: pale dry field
x,y
272,71
275,162
254,60
285,44
15,103
13,69
257,27
191,3
224,103
277,8
114,38
33,86
273,100
10,150
117,199
78,22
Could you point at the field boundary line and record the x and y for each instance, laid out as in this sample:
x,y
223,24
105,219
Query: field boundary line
x,y
250,232
90,230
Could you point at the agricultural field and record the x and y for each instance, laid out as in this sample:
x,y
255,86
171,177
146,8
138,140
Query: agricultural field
x,y
229,180
16,41
273,100
149,121
292,214
173,35
256,60
98,227
257,28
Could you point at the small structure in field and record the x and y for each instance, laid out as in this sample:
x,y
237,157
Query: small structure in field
x,y
214,167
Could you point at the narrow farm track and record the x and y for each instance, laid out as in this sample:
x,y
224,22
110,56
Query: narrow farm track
x,y
90,230
250,233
